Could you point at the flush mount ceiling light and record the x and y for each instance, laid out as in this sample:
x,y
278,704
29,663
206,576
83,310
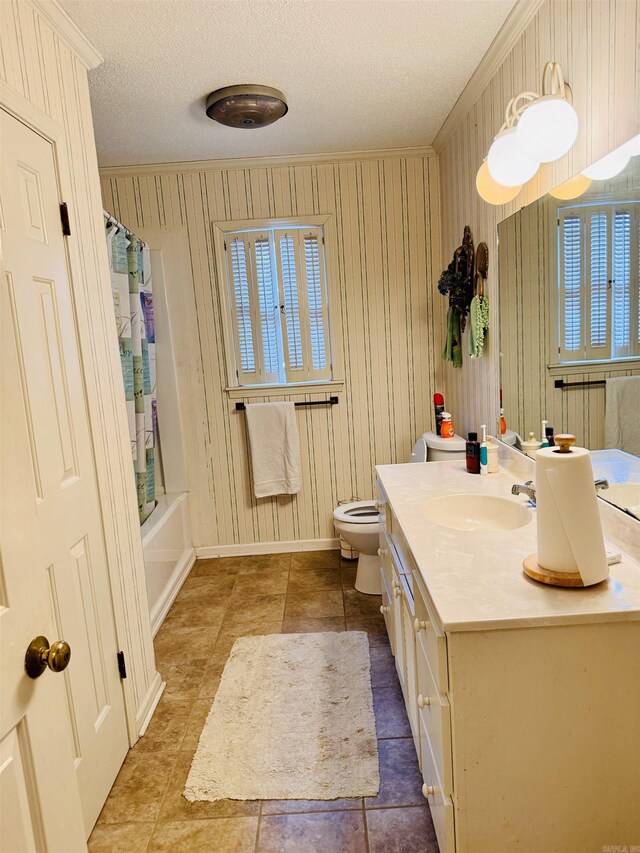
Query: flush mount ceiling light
x,y
247,106
537,129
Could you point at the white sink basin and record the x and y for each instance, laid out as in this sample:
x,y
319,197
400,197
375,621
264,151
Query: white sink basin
x,y
477,512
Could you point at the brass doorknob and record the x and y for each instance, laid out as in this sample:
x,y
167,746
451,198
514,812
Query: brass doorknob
x,y
41,655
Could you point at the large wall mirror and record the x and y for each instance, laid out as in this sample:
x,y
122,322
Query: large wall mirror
x,y
569,294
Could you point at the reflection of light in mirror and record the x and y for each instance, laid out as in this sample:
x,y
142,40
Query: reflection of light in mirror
x,y
508,163
572,188
608,166
491,191
547,128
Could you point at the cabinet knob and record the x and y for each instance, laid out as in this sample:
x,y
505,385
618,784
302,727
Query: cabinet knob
x,y
379,506
396,590
423,701
419,625
427,790
383,609
382,552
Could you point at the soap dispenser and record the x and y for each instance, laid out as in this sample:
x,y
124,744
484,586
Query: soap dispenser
x,y
531,445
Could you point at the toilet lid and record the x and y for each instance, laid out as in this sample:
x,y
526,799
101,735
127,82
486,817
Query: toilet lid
x,y
436,442
359,512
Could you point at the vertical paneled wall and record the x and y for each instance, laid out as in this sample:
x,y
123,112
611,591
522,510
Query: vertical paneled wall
x,y
383,245
43,79
596,43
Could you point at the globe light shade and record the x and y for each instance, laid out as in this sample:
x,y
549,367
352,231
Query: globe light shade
x,y
608,166
547,128
508,164
632,147
491,191
572,188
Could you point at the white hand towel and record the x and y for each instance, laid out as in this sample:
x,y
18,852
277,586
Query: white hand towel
x,y
275,449
622,414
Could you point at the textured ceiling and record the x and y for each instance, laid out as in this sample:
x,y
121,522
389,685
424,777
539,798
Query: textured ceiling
x,y
358,74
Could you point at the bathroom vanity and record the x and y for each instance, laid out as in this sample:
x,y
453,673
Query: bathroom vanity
x,y
523,699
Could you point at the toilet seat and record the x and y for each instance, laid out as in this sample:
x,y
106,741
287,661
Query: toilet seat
x,y
358,512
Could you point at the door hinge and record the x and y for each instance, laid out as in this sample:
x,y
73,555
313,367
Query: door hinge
x,y
64,219
122,667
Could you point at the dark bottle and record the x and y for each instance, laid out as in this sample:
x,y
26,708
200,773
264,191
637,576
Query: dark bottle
x,y
473,454
548,431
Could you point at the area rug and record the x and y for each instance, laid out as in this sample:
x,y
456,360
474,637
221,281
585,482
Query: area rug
x,y
292,720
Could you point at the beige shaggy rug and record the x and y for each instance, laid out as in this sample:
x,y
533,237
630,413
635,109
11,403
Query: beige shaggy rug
x,y
292,720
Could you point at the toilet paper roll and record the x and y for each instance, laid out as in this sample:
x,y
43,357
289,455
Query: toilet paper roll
x,y
570,535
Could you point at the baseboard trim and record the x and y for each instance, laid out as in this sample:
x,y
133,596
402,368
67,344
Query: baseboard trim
x,y
178,577
208,551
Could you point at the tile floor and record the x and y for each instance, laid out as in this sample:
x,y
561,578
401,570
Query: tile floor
x,y
221,600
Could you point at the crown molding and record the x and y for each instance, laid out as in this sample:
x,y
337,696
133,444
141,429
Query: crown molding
x,y
263,162
66,29
516,23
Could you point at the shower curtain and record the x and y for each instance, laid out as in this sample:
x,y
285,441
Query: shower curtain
x,y
130,267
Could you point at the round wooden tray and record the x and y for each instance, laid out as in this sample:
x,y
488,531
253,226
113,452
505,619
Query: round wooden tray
x,y
539,573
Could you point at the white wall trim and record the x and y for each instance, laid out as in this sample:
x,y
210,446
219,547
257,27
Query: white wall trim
x,y
262,162
515,24
68,31
208,551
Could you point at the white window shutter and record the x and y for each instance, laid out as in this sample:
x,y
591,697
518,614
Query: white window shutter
x,y
296,365
621,254
599,275
267,291
315,286
238,264
571,291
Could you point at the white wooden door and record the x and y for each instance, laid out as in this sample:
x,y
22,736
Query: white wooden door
x,y
63,735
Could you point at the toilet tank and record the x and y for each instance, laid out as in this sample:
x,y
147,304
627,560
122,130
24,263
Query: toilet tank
x,y
433,448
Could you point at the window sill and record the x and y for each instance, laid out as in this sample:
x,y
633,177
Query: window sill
x,y
294,389
593,366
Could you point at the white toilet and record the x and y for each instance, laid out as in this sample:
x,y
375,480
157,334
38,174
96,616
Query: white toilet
x,y
357,523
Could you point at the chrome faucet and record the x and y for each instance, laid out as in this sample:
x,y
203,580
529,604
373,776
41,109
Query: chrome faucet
x,y
529,489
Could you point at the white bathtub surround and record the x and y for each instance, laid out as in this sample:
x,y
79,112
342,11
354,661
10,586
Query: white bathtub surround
x,y
275,449
168,554
292,719
519,695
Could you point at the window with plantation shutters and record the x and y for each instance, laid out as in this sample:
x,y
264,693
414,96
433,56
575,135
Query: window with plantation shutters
x,y
280,321
598,275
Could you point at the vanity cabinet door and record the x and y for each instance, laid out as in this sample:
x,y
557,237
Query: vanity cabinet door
x,y
386,608
410,683
440,804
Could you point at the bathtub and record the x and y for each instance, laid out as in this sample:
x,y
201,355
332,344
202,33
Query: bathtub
x,y
168,553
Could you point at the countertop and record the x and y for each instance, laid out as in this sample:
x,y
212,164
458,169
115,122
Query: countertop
x,y
475,579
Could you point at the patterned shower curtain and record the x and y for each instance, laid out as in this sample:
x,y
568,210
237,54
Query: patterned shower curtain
x,y
130,266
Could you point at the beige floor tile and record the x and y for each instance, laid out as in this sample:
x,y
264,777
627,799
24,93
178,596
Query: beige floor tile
x,y
212,676
301,580
405,830
307,626
167,727
183,678
329,832
262,582
358,604
225,835
314,605
228,635
255,562
120,838
374,626
315,560
202,611
211,568
139,788
175,644
175,807
249,610
302,806
199,714
207,586
348,572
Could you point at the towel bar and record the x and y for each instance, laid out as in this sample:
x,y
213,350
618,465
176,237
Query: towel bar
x,y
560,383
332,401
